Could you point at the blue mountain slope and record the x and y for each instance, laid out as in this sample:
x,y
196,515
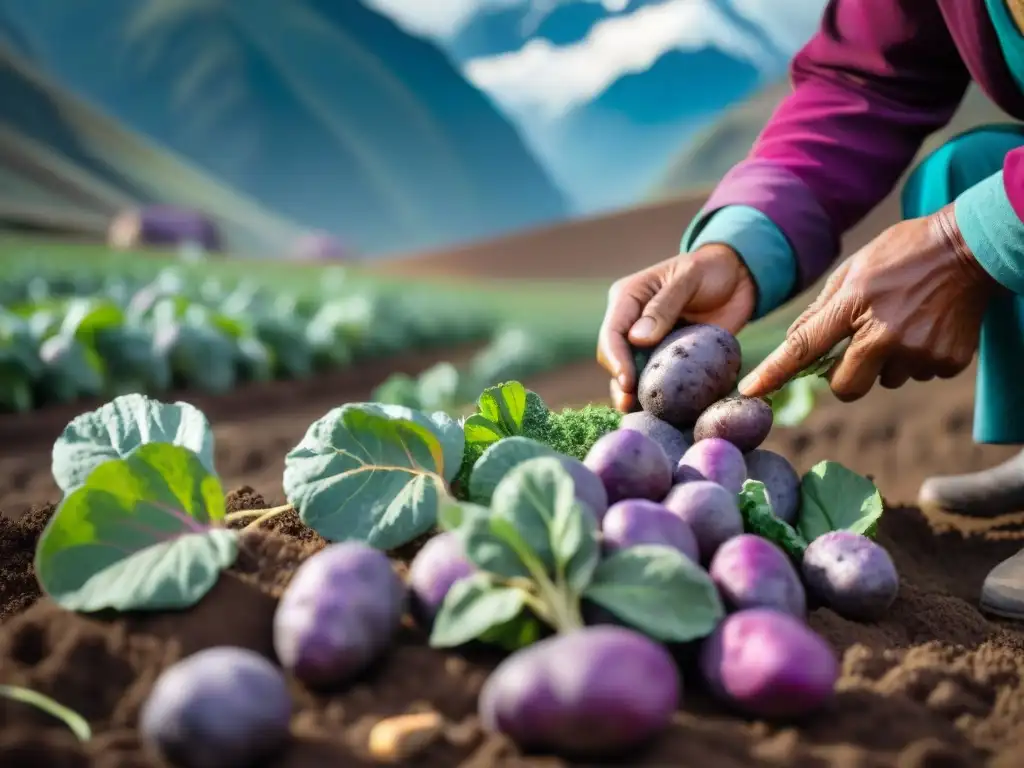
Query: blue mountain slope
x,y
324,111
664,105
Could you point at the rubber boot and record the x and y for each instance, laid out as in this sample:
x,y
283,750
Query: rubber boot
x,y
990,493
1002,594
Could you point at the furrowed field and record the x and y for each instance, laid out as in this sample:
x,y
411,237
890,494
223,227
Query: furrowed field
x,y
139,522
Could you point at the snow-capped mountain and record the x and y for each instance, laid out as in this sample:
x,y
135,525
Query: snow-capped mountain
x,y
605,91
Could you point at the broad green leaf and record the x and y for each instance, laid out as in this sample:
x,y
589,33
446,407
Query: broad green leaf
x,y
759,519
658,591
479,430
140,533
576,545
438,387
116,429
473,607
525,629
85,318
834,498
131,359
505,406
793,403
199,355
71,370
370,472
488,545
529,498
500,459
453,441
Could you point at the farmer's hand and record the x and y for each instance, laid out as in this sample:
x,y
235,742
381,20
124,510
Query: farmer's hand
x,y
710,285
911,301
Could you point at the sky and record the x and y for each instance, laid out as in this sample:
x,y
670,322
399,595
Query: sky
x,y
521,80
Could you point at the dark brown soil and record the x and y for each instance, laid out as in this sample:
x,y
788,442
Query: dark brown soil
x,y
935,684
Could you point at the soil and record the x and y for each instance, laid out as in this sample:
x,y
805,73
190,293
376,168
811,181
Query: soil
x,y
934,685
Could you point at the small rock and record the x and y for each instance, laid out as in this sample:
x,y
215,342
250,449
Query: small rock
x,y
400,737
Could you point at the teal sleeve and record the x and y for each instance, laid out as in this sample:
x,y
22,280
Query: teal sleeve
x,y
762,246
993,231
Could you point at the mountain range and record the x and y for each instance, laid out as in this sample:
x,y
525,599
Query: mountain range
x,y
326,113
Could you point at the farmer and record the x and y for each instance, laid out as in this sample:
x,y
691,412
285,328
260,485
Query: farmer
x,y
918,301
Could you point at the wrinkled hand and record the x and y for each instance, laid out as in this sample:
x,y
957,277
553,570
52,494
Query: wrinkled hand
x,y
911,302
710,285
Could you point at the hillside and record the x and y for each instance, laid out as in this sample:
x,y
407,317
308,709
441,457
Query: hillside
x,y
709,155
325,112
66,167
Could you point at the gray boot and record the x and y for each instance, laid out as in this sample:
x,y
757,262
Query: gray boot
x,y
989,493
1002,593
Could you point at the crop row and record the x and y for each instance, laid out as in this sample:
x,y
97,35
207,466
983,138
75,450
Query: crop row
x,y
82,336
586,543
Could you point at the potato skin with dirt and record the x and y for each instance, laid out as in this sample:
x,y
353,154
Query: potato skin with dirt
x,y
222,707
673,442
743,421
691,369
589,692
339,613
769,664
630,466
751,572
851,574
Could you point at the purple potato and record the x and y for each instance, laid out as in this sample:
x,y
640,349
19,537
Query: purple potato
x,y
222,707
851,574
672,441
591,691
633,522
781,482
713,459
692,368
710,511
433,571
339,613
589,488
630,466
751,572
743,421
768,664
164,226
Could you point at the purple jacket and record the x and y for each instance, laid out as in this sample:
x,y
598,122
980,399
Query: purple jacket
x,y
877,79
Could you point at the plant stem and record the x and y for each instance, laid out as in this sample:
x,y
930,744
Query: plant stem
x,y
74,721
261,514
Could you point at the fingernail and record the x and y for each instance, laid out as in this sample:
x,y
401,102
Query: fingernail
x,y
748,382
643,327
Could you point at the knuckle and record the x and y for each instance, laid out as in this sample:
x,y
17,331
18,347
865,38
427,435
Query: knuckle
x,y
617,288
797,345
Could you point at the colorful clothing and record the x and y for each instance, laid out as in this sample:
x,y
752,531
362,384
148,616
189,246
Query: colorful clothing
x,y
876,80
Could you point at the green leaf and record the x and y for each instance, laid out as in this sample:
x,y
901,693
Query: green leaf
x,y
77,724
372,473
490,546
473,607
529,498
116,429
139,534
84,318
71,370
504,405
658,591
500,459
792,404
481,431
199,355
453,441
759,519
834,498
525,629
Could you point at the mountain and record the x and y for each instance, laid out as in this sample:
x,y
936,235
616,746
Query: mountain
x,y
325,112
614,158
707,157
634,82
67,167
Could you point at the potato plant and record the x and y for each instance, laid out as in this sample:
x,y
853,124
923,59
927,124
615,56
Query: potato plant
x,y
577,541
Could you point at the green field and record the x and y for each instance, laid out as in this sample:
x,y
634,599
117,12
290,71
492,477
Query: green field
x,y
568,310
